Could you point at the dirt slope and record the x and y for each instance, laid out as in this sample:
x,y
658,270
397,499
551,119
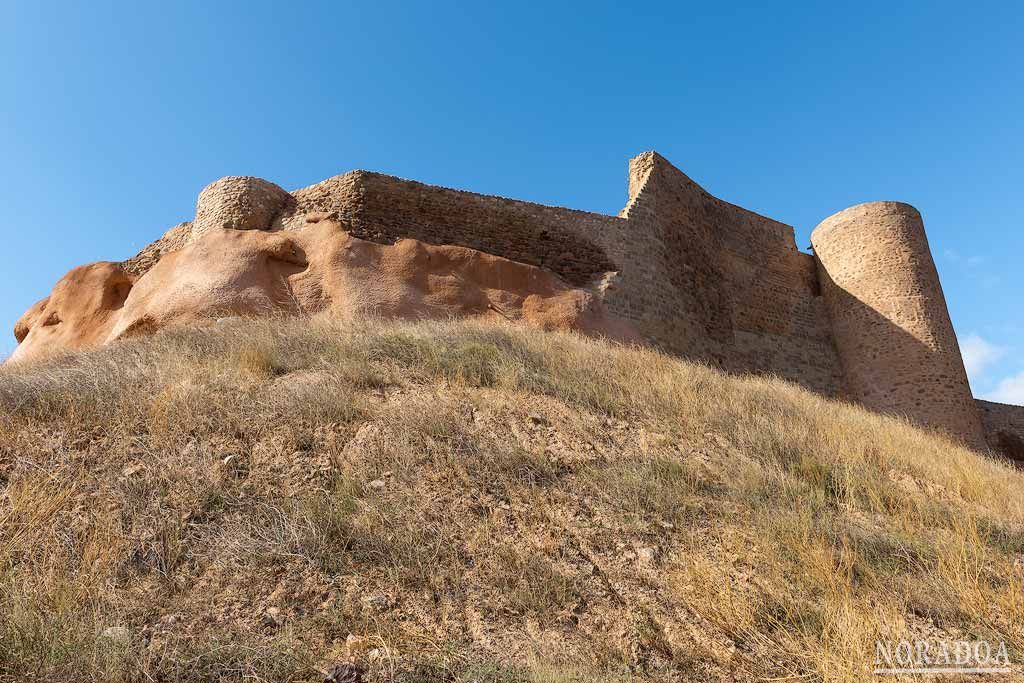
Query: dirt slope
x,y
263,500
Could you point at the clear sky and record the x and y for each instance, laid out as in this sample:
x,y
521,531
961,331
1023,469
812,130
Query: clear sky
x,y
115,115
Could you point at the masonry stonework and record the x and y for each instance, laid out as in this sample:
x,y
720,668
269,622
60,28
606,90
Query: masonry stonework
x,y
863,318
697,276
709,280
895,340
239,203
1004,428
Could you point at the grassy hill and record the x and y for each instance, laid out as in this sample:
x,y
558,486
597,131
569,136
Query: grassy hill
x,y
454,502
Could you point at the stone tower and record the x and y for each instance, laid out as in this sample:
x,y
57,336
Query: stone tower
x,y
891,327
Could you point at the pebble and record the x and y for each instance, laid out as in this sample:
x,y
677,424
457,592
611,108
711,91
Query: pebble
x,y
118,635
646,555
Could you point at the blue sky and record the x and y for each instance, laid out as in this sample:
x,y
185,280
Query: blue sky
x,y
115,115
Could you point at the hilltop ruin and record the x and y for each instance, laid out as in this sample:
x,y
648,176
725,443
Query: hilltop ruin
x,y
862,318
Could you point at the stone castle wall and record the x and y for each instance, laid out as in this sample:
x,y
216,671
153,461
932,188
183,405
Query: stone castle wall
x,y
863,318
745,297
697,276
1004,428
382,208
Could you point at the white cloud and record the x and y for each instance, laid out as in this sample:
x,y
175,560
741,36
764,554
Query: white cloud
x,y
961,261
1009,390
978,355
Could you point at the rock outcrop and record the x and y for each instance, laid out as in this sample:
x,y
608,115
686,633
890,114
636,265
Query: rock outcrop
x,y
80,311
253,250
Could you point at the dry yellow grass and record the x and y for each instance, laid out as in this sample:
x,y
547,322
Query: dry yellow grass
x,y
478,503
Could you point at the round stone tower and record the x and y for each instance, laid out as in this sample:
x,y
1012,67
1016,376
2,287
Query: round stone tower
x,y
890,323
238,203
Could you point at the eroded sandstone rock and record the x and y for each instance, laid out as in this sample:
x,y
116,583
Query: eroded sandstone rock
x,y
231,261
80,312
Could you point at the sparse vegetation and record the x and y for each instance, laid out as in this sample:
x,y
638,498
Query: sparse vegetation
x,y
476,503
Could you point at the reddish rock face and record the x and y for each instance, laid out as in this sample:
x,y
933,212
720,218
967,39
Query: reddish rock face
x,y
318,268
80,312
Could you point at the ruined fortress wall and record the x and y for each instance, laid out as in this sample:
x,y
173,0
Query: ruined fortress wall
x,y
382,208
710,281
780,322
746,297
622,259
668,283
1004,428
779,319
892,330
698,277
